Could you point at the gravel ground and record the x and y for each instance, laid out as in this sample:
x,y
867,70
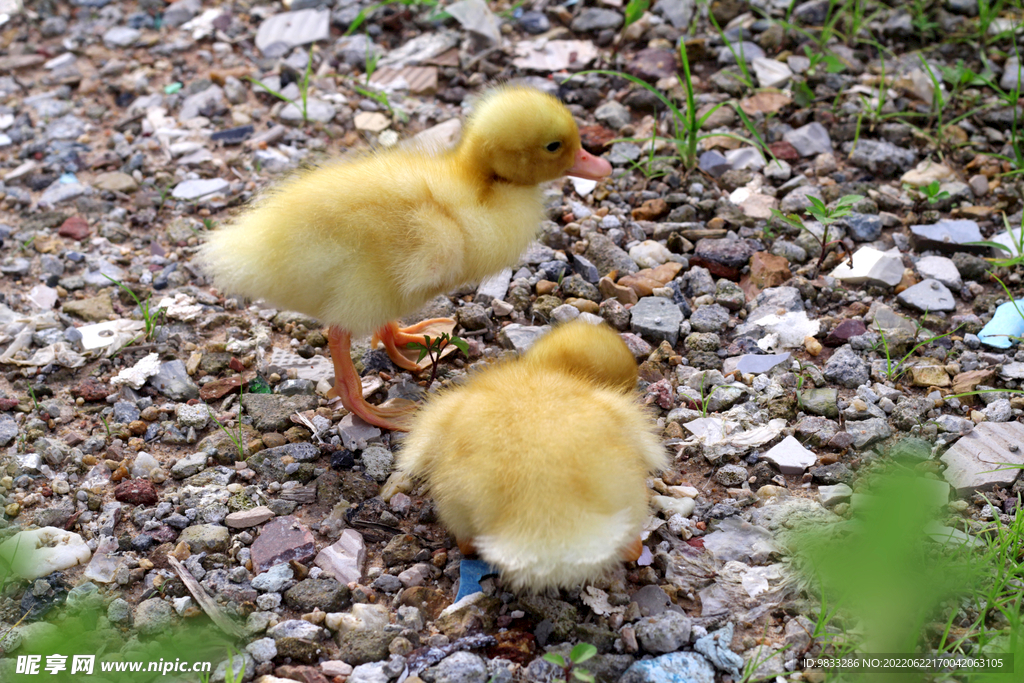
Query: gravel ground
x,y
130,129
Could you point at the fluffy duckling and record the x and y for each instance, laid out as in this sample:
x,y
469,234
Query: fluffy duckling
x,y
358,244
540,464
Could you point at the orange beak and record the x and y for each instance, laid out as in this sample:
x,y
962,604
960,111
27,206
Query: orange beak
x,y
590,167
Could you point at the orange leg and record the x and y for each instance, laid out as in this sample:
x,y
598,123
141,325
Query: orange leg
x,y
349,388
466,546
633,551
395,338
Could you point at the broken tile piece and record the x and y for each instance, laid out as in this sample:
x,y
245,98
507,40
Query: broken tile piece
x,y
281,32
554,55
948,235
1006,323
282,540
873,267
985,457
754,364
790,456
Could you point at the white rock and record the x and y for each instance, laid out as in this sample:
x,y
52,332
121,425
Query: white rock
x,y
832,495
650,254
372,121
674,506
345,559
789,329
362,617
771,73
927,172
790,456
38,552
940,268
872,266
194,189
137,375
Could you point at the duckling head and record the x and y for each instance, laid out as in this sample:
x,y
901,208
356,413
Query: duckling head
x,y
523,136
593,352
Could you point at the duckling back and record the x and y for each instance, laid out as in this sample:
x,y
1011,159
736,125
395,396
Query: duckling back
x,y
541,466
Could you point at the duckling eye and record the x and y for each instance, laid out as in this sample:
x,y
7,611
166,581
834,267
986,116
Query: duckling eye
x,y
553,147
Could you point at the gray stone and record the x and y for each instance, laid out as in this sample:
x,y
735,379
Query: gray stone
x,y
8,430
713,163
731,475
613,114
262,650
998,411
153,616
868,432
771,73
274,580
796,201
940,268
461,667
315,110
966,7
928,295
676,667
820,402
741,49
830,496
189,465
863,227
880,157
119,611
273,412
986,457
711,318
189,190
369,673
1012,76
845,367
202,103
59,193
206,538
665,632
180,12
728,252
356,49
520,337
679,13
296,628
327,594
67,127
378,461
745,158
121,36
494,287
809,140
657,318
606,256
596,19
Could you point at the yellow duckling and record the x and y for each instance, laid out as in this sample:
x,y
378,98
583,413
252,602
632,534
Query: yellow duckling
x,y
540,464
358,244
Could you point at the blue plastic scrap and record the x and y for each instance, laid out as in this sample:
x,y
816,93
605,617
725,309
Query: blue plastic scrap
x,y
1005,327
471,573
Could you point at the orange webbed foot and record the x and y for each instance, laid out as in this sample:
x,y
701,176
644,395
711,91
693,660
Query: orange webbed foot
x,y
633,551
466,546
348,387
396,339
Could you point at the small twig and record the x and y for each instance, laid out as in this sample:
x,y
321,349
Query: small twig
x,y
205,601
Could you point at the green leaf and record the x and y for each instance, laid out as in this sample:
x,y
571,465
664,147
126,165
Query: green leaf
x,y
583,675
461,344
816,203
834,65
994,245
422,349
634,10
582,653
556,659
803,94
